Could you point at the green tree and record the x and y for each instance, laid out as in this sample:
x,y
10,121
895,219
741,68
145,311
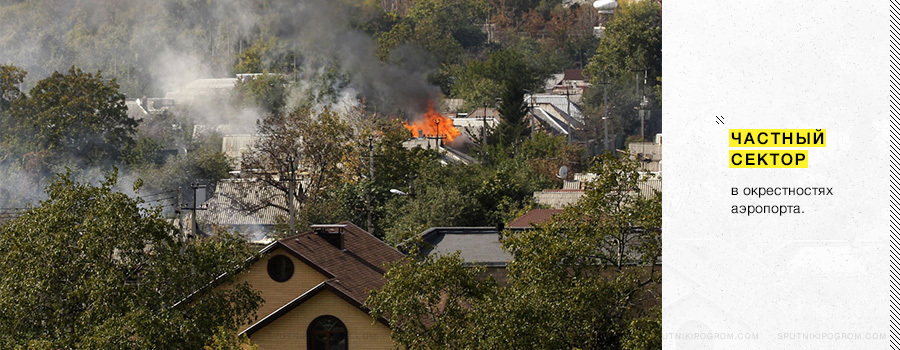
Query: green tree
x,y
632,40
429,300
581,281
593,265
515,75
443,27
225,339
94,268
10,78
204,161
628,63
267,91
75,116
251,59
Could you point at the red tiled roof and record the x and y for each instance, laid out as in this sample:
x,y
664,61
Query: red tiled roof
x,y
573,74
535,216
355,270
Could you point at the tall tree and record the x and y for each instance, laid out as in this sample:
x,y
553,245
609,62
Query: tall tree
x,y
430,301
75,116
510,68
94,268
310,145
267,91
10,79
582,281
631,41
628,63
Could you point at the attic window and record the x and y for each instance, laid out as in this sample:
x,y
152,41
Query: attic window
x,y
281,268
326,333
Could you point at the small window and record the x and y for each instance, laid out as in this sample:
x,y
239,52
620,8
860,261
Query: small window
x,y
281,268
326,333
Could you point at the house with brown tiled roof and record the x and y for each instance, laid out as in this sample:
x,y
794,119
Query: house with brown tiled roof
x,y
533,217
315,285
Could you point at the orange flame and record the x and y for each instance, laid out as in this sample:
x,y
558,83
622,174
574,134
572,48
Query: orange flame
x,y
433,124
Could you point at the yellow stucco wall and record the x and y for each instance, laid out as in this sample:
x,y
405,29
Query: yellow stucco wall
x,y
289,330
276,294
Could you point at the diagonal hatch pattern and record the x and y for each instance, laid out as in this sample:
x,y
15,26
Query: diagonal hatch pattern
x,y
895,175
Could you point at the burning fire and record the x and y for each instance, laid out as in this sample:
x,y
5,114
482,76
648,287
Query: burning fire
x,y
433,124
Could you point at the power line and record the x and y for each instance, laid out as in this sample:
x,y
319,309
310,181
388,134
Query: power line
x,y
159,199
157,193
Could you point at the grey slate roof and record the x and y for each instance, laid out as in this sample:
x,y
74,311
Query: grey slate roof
x,y
224,208
559,103
476,245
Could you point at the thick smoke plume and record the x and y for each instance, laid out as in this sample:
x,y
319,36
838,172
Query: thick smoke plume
x,y
153,46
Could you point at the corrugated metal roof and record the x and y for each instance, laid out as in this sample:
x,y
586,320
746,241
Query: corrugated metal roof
x,y
560,102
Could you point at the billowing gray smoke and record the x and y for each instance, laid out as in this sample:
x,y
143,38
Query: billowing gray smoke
x,y
153,46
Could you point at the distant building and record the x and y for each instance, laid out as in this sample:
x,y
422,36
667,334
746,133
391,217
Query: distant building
x,y
452,105
251,208
476,246
573,190
480,246
150,106
236,145
475,127
558,198
558,114
203,89
533,217
649,153
571,82
447,155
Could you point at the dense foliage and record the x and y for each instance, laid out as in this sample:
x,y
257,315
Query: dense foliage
x,y
627,69
75,117
585,280
90,267
93,268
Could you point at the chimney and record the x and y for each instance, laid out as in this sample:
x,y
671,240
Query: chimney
x,y
333,234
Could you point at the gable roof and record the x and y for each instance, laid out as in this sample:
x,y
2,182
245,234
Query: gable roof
x,y
535,216
325,285
357,269
351,273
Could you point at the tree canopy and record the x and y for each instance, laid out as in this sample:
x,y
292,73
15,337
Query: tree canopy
x,y
581,281
73,116
93,268
627,69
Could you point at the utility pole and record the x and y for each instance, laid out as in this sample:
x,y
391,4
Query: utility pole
x,y
568,114
531,112
291,195
605,119
369,225
437,134
196,187
178,206
644,102
484,126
